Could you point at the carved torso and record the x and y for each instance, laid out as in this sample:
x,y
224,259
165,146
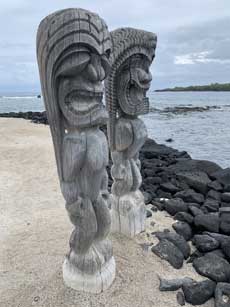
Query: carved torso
x,y
73,48
126,88
85,157
130,135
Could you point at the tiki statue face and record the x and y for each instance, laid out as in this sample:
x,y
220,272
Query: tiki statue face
x,y
133,83
80,88
73,47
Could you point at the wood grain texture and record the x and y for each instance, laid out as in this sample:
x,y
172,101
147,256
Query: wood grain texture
x,y
73,48
126,88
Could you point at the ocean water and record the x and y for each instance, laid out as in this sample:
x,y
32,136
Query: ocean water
x,y
205,134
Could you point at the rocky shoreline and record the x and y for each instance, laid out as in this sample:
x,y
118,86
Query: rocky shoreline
x,y
177,110
35,117
197,194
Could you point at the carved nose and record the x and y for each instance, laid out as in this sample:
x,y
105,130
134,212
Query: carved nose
x,y
95,70
144,77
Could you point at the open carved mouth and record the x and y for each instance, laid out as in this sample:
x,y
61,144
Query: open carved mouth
x,y
81,101
136,94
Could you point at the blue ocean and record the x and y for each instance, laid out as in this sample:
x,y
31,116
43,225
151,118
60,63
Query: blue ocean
x,y
198,122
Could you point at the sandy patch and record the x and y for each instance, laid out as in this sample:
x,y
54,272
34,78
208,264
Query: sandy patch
x,y
35,229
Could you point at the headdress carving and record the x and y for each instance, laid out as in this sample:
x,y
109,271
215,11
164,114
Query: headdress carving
x,y
60,39
129,45
73,48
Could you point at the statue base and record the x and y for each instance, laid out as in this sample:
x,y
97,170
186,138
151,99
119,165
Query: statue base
x,y
128,213
92,283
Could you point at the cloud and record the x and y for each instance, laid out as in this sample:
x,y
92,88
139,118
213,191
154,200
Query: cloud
x,y
194,53
199,57
191,58
185,29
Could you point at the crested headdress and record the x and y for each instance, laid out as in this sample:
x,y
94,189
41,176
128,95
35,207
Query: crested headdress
x,y
58,38
126,43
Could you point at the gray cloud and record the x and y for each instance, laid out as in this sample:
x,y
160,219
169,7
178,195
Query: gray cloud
x,y
196,54
194,31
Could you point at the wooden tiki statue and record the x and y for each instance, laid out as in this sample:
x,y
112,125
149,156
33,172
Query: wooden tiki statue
x,y
73,49
126,87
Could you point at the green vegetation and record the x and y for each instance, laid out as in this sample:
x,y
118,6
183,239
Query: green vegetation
x,y
217,87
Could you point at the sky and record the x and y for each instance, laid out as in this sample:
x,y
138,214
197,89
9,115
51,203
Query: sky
x,y
193,38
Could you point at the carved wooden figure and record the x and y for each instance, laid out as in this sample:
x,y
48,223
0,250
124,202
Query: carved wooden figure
x,y
126,87
73,48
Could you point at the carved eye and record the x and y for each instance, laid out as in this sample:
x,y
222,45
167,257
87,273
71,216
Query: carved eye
x,y
74,64
107,53
106,64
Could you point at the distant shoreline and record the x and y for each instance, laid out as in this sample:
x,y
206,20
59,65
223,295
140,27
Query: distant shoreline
x,y
215,87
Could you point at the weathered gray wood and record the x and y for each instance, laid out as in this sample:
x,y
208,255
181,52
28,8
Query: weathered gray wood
x,y
126,87
73,48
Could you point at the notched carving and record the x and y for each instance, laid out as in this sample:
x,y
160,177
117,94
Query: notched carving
x,y
72,52
126,89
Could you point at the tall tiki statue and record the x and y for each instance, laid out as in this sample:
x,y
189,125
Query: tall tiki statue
x,y
126,86
73,48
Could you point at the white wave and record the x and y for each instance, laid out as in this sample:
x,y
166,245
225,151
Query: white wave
x,y
18,97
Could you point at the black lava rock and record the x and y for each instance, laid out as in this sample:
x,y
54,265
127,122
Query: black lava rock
x,y
222,295
190,196
197,293
225,227
208,222
183,229
154,208
197,180
214,195
173,206
153,150
225,220
215,185
226,197
169,187
194,205
211,205
35,117
205,243
219,237
194,210
218,252
225,245
163,194
194,255
168,251
158,203
227,188
224,205
207,166
184,217
180,298
148,213
150,181
172,284
148,172
213,267
191,165
177,240
147,197
222,176
156,180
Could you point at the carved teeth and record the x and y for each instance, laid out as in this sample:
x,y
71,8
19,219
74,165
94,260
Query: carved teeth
x,y
76,95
